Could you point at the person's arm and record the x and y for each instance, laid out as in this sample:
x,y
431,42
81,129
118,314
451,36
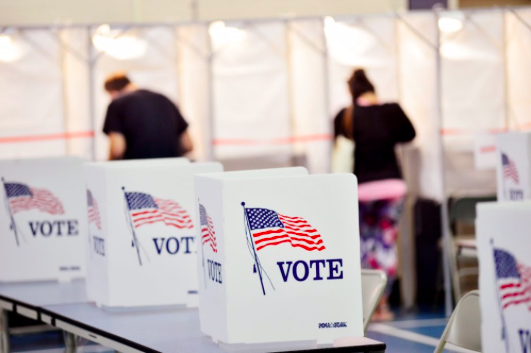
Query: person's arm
x,y
339,126
118,146
404,130
114,128
186,143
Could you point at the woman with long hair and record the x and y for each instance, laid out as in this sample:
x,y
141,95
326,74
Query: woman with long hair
x,y
376,129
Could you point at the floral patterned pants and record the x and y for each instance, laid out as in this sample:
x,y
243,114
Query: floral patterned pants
x,y
378,233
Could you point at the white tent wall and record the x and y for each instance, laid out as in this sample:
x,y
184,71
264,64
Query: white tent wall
x,y
473,90
75,58
417,67
518,46
195,87
155,70
416,37
31,96
251,91
312,129
362,42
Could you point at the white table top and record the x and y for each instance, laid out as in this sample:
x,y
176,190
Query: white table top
x,y
36,294
153,330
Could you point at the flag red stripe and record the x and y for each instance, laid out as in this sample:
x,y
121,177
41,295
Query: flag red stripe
x,y
208,235
43,201
299,225
297,222
278,231
180,225
515,302
164,210
514,293
177,225
139,219
177,217
144,212
510,285
207,238
292,244
288,217
299,229
159,219
157,213
289,237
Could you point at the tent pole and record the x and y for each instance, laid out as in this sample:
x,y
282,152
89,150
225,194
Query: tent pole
x,y
445,229
520,19
211,153
289,77
64,95
177,62
326,88
407,248
92,110
506,94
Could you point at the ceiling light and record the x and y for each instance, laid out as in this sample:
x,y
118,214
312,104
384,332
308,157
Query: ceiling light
x,y
118,45
451,22
10,50
222,34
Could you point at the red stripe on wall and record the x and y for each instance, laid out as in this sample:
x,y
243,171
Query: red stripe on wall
x,y
49,137
275,141
448,132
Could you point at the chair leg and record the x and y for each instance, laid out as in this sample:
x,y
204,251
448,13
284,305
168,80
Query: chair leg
x,y
442,341
454,269
4,331
70,342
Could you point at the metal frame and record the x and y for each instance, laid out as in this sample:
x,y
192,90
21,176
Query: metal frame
x,y
4,331
445,231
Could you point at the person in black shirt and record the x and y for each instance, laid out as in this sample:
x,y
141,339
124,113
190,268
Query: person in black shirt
x,y
143,124
376,129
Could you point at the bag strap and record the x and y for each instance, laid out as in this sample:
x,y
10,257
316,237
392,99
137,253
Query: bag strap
x,y
348,122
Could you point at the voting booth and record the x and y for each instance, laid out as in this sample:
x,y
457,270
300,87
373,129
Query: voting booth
x,y
505,276
42,220
141,232
279,260
513,166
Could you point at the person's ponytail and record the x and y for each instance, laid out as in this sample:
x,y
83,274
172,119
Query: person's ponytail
x,y
359,84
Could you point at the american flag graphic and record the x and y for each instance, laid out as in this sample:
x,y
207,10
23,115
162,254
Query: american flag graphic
x,y
93,211
270,228
22,197
509,169
514,280
207,229
146,209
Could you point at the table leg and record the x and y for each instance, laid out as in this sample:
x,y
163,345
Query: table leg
x,y
70,342
4,331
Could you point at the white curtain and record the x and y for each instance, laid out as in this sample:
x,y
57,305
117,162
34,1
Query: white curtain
x,y
250,90
473,98
75,55
312,130
518,44
195,98
155,69
362,42
270,89
418,80
31,95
